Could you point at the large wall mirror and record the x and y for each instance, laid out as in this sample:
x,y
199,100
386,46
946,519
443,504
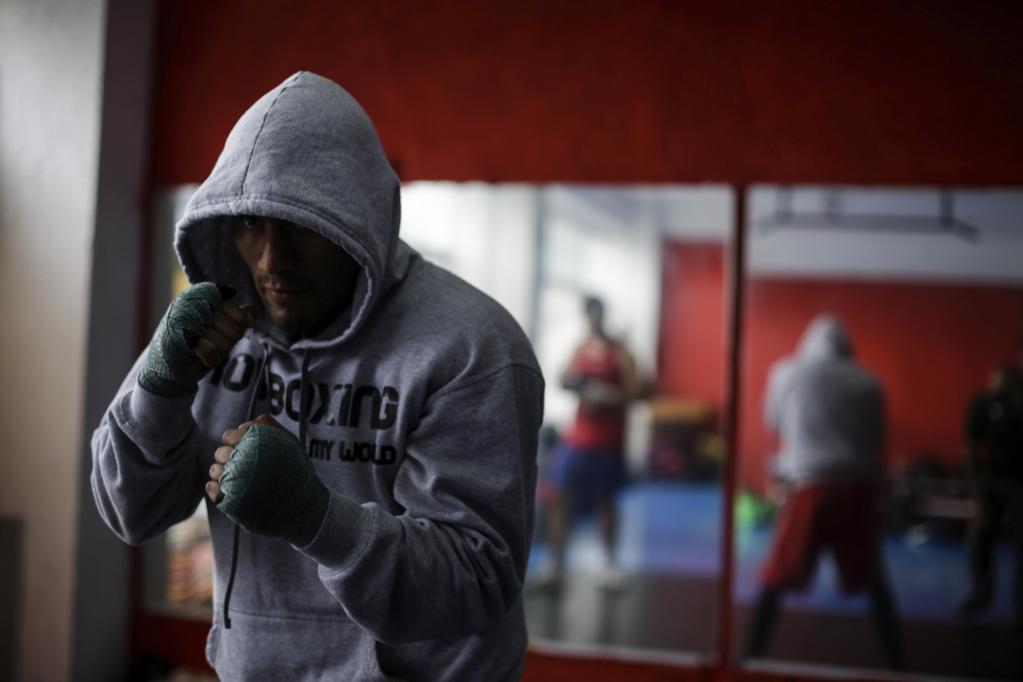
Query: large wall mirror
x,y
622,292
880,395
880,429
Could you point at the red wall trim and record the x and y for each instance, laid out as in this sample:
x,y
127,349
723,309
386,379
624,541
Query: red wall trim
x,y
614,91
179,641
183,642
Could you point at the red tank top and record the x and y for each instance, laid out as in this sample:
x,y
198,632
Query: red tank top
x,y
598,427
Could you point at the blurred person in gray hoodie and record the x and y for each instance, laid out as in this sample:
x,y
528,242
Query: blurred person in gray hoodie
x,y
830,416
364,424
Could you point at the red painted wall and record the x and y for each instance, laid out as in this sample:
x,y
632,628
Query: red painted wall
x,y
932,346
691,348
925,91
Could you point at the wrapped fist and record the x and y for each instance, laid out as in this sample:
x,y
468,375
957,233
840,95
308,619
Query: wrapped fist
x,y
197,332
262,480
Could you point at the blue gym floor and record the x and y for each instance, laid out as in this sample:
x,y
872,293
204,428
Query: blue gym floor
x,y
674,529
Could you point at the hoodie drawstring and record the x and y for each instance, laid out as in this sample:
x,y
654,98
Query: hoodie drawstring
x,y
262,373
230,580
303,407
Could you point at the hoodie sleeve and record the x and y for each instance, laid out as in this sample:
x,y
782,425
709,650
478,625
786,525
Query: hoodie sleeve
x,y
454,562
145,474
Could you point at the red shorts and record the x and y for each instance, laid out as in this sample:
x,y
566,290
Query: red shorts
x,y
839,516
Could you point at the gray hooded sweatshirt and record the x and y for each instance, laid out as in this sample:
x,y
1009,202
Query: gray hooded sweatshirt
x,y
829,412
419,406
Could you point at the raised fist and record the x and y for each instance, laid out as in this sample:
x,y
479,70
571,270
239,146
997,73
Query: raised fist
x,y
197,332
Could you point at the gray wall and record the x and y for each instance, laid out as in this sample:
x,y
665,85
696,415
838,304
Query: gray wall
x,y
71,162
50,86
102,599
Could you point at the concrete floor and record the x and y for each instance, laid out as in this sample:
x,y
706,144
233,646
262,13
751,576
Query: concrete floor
x,y
670,551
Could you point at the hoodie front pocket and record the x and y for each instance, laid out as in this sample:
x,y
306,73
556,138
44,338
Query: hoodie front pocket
x,y
275,647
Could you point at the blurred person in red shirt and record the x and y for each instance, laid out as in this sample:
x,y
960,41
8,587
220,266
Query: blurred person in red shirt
x,y
588,469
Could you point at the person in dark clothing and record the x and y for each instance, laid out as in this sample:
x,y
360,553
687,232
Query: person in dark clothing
x,y
994,454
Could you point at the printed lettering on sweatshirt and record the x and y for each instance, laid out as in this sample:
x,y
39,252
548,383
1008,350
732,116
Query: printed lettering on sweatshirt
x,y
342,405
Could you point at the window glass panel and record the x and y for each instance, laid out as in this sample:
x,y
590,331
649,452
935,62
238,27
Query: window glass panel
x,y
654,257
852,535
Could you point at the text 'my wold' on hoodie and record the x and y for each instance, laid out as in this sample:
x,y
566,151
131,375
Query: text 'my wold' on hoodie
x,y
419,407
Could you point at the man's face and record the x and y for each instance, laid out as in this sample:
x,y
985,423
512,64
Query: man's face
x,y
304,279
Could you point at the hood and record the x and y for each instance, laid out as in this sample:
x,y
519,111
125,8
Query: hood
x,y
305,152
825,337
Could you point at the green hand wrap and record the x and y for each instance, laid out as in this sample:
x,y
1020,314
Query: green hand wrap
x,y
172,369
271,488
